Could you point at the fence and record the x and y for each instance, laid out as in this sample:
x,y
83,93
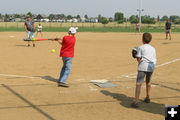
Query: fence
x,y
59,24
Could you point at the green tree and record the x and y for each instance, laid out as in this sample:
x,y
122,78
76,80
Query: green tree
x,y
177,21
69,17
173,17
148,20
30,14
6,18
118,16
63,16
17,16
158,18
86,16
51,17
110,19
104,21
134,19
120,21
164,18
78,16
100,18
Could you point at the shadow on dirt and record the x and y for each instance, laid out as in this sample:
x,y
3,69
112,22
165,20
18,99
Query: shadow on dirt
x,y
126,101
166,43
21,46
164,86
49,78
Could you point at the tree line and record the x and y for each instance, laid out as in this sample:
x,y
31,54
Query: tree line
x,y
118,17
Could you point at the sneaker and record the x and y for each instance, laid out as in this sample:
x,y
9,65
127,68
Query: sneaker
x,y
62,84
135,104
147,100
34,45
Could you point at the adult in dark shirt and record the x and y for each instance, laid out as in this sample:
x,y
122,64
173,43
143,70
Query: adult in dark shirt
x,y
30,29
168,29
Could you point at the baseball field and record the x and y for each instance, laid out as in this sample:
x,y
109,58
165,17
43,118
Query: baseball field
x,y
28,78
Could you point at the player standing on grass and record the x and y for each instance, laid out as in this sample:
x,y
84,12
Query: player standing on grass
x,y
138,27
30,29
67,54
168,29
39,30
146,57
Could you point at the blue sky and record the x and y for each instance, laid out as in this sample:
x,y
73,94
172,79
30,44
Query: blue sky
x,y
106,8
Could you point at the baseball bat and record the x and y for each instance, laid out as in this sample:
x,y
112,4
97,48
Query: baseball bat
x,y
41,39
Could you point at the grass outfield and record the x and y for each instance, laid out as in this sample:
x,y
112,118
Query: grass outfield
x,y
90,29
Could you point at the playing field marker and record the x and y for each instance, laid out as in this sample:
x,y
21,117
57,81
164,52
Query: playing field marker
x,y
166,63
130,86
11,36
133,75
19,76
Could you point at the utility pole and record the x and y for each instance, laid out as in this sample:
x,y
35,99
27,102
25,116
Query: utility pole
x,y
140,10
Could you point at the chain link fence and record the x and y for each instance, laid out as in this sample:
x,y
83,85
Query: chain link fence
x,y
159,25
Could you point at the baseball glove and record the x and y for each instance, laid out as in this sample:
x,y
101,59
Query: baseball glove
x,y
134,52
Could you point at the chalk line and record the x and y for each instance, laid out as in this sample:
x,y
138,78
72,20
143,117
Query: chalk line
x,y
126,86
166,63
133,75
91,88
11,36
20,76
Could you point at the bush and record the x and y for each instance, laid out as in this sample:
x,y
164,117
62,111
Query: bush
x,y
177,21
148,20
134,21
111,19
104,21
118,16
120,21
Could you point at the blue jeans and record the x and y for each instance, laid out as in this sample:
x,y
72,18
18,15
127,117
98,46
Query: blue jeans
x,y
66,69
30,35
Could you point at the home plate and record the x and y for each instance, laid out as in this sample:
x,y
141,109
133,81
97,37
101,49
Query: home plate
x,y
103,83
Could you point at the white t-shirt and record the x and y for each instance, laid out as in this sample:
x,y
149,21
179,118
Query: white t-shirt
x,y
148,58
39,28
137,25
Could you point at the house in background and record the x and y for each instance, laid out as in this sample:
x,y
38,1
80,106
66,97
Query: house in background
x,y
41,18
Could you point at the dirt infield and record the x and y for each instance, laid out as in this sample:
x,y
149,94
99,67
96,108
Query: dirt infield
x,y
28,78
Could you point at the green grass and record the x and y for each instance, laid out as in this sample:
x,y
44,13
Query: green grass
x,y
90,29
12,29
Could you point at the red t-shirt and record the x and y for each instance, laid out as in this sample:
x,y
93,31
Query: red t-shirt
x,y
67,49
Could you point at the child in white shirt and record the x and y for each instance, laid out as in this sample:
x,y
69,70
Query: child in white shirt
x,y
146,57
39,30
